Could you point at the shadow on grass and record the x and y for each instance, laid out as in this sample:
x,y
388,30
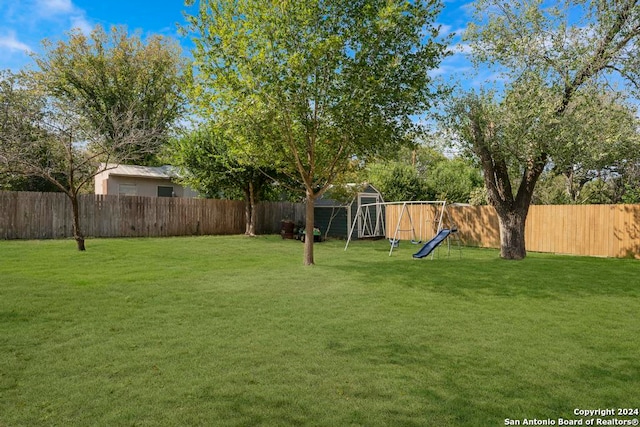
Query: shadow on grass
x,y
538,276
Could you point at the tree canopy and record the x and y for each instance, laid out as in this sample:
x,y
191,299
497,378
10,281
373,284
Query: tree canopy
x,y
554,58
115,77
209,164
313,84
106,99
424,173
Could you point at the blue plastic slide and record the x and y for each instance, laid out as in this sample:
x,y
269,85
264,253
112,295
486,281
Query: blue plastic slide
x,y
433,243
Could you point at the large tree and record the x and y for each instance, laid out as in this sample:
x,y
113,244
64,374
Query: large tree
x,y
108,75
106,99
610,139
313,84
209,164
45,137
550,55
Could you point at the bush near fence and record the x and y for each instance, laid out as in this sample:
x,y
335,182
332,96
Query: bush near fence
x,y
30,215
593,230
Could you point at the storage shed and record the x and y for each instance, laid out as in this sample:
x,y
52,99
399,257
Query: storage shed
x,y
336,218
133,180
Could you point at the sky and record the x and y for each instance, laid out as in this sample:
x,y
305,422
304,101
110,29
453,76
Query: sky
x,y
25,23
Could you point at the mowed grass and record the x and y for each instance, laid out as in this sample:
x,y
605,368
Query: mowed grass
x,y
234,331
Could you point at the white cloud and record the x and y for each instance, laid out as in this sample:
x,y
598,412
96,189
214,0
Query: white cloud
x,y
81,22
10,41
462,48
61,11
495,79
54,7
445,29
450,70
25,23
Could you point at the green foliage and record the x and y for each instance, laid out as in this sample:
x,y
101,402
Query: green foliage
x,y
422,156
36,146
397,181
551,190
315,83
424,173
600,136
104,98
344,193
453,180
631,193
567,43
479,197
207,163
555,59
121,86
17,182
599,192
310,85
594,153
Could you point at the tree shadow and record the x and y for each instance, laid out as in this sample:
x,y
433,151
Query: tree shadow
x,y
477,225
627,232
538,276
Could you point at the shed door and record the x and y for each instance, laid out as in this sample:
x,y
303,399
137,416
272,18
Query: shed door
x,y
370,220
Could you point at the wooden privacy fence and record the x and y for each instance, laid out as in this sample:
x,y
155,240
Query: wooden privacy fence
x,y
26,215
594,230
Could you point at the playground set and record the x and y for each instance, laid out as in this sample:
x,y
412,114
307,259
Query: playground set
x,y
434,222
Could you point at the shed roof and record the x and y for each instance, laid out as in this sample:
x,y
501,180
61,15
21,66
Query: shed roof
x,y
158,172
324,202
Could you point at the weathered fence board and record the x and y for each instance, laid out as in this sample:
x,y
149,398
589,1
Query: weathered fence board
x,y
26,215
594,230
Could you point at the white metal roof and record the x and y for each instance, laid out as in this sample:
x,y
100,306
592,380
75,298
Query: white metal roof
x,y
162,172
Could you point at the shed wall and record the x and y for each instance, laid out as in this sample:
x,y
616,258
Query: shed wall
x,y
146,187
339,226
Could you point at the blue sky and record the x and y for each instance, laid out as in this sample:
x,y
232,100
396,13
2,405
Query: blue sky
x,y
24,23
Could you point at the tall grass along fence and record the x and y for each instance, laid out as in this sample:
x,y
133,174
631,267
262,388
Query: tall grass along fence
x,y
27,215
594,230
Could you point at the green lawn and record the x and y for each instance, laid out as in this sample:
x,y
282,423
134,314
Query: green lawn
x,y
233,331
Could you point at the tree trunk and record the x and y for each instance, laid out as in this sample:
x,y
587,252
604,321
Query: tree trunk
x,y
512,243
308,241
252,216
77,232
334,213
247,212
